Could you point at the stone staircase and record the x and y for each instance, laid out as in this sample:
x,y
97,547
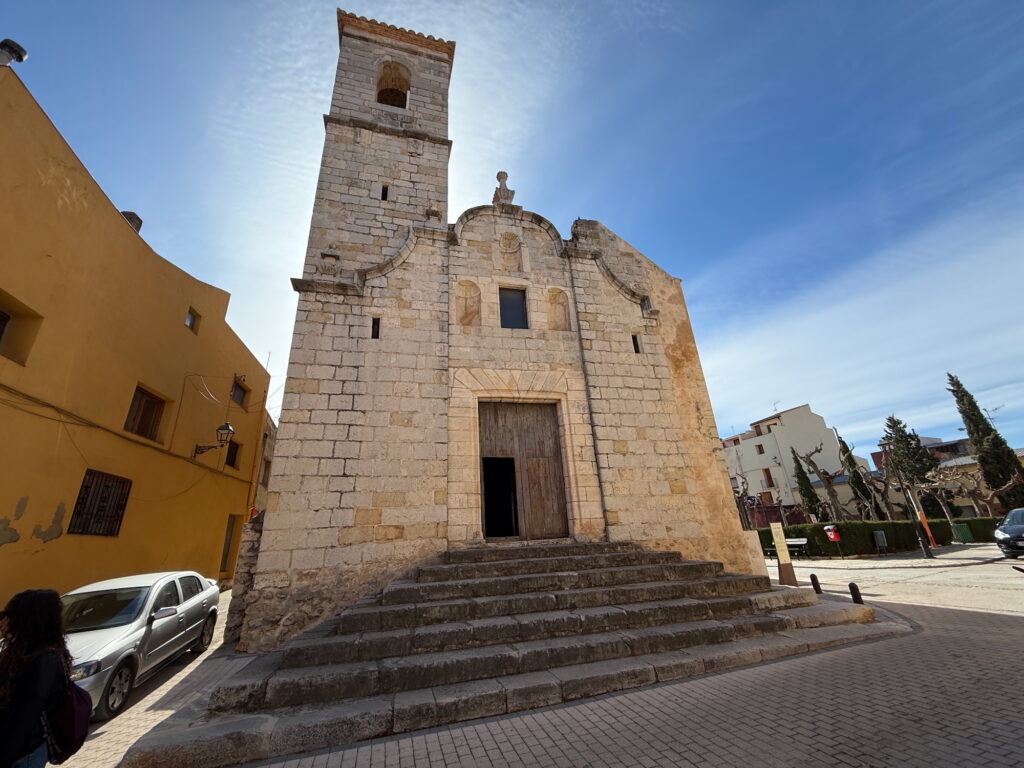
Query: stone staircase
x,y
500,629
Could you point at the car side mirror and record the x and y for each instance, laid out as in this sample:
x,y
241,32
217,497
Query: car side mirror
x,y
163,613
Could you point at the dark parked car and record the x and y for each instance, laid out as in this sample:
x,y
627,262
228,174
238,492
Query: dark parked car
x,y
1010,533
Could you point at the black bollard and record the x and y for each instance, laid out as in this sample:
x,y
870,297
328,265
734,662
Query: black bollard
x,y
855,593
815,583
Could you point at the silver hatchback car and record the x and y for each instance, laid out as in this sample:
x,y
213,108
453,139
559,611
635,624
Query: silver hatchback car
x,y
123,630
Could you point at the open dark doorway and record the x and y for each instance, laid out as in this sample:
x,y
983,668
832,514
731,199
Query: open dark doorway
x,y
499,491
523,490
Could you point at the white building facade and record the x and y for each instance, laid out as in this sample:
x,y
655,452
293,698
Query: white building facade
x,y
760,461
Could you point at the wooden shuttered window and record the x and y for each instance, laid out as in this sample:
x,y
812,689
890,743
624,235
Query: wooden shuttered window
x,y
100,505
144,414
232,456
238,393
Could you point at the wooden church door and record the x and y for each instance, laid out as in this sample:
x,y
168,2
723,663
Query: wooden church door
x,y
521,471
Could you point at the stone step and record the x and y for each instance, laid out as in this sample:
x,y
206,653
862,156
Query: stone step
x,y
493,552
230,739
375,617
413,592
532,565
371,645
329,684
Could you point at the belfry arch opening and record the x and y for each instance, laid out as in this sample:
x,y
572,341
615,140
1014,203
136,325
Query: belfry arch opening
x,y
393,85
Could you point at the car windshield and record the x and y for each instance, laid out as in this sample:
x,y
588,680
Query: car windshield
x,y
101,610
1014,517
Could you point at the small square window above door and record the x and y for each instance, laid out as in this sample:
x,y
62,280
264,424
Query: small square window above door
x,y
512,307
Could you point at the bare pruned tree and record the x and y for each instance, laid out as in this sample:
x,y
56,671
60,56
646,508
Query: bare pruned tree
x,y
827,480
880,486
740,495
971,484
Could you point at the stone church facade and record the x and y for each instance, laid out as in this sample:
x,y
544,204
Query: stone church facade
x,y
467,384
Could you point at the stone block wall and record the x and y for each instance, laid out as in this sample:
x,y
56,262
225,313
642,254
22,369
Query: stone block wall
x,y
658,448
358,489
506,247
241,589
377,461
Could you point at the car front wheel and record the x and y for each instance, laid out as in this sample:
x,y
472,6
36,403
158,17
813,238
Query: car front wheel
x,y
116,691
206,636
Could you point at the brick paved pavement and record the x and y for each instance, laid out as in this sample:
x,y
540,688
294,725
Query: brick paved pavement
x,y
183,681
948,695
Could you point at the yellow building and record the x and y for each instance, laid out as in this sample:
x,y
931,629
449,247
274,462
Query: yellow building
x,y
114,365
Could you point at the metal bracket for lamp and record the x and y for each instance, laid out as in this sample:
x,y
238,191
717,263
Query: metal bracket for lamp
x,y
224,433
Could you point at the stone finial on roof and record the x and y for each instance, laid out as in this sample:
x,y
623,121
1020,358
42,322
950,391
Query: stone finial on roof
x,y
502,194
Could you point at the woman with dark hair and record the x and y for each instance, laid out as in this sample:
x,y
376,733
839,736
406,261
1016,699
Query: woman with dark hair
x,y
34,669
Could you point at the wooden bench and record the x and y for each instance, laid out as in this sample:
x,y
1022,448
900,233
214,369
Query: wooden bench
x,y
796,547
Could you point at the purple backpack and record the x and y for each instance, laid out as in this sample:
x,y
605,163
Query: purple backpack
x,y
66,724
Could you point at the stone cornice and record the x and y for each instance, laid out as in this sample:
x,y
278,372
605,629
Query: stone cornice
x,y
354,122
351,21
574,251
333,280
514,212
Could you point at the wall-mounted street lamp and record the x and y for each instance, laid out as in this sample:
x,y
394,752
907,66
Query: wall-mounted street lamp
x,y
11,51
224,433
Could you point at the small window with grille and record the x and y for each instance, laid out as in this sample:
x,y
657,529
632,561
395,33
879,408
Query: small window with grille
x,y
100,505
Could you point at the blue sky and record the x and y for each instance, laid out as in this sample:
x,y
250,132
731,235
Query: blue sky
x,y
839,185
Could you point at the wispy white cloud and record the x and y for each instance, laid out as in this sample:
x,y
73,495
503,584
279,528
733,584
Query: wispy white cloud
x,y
879,337
267,133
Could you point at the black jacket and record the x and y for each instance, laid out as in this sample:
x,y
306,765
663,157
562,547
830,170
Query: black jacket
x,y
37,688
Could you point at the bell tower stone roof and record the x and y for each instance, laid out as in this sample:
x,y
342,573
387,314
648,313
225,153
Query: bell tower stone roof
x,y
350,22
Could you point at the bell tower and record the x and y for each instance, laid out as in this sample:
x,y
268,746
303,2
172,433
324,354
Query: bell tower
x,y
386,150
358,489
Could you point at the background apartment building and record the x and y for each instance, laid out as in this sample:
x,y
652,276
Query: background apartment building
x,y
760,461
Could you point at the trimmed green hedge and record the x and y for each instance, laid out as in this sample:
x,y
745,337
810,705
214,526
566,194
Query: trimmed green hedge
x,y
858,539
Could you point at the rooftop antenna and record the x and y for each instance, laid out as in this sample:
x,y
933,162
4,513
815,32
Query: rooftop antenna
x,y
775,406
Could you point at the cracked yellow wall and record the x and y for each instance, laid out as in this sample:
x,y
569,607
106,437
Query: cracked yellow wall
x,y
105,314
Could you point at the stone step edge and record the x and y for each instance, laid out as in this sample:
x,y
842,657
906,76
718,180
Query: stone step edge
x,y
473,633
557,564
369,609
234,739
262,688
465,555
505,585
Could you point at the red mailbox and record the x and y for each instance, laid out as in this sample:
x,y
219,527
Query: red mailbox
x,y
832,532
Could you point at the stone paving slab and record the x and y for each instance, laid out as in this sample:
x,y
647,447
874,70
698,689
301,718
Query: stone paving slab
x,y
940,697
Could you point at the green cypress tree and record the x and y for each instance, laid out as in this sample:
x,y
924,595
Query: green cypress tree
x,y
996,459
857,484
808,497
912,459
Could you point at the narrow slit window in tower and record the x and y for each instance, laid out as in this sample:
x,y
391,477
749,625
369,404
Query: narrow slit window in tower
x,y
636,343
383,191
375,328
